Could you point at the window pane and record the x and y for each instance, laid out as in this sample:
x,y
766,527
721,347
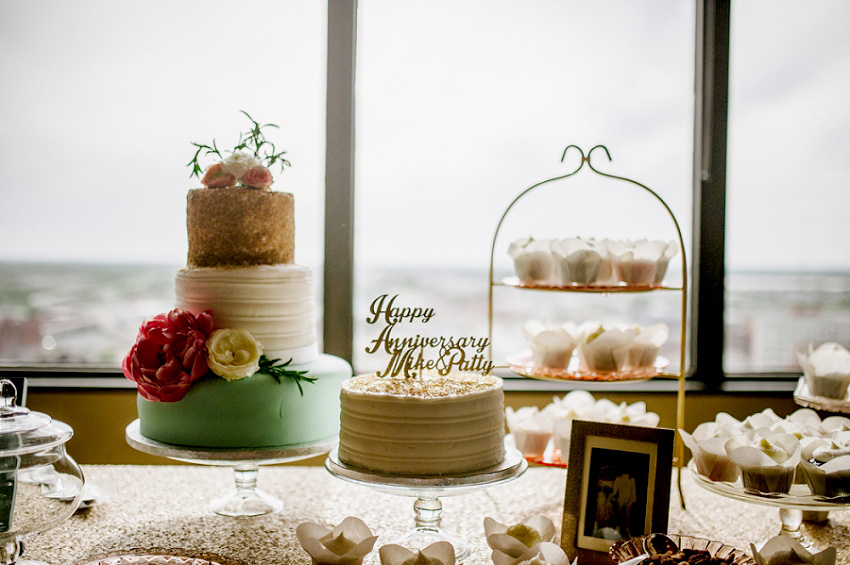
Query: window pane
x,y
788,274
462,106
99,103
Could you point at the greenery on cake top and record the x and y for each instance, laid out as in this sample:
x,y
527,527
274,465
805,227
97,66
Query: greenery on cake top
x,y
252,141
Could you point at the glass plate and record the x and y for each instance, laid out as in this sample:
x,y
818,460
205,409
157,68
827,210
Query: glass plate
x,y
800,496
603,288
522,364
803,397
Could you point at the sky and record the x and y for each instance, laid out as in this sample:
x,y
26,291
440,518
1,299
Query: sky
x,y
456,115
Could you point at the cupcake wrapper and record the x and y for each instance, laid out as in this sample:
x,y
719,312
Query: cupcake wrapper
x,y
768,479
531,443
828,387
636,272
827,484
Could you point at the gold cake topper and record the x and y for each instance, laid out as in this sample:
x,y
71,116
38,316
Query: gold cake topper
x,y
408,354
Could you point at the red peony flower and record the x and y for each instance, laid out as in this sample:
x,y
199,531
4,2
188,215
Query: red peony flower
x,y
257,177
170,353
214,177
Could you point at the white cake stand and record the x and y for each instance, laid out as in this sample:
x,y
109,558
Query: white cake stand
x,y
428,491
246,499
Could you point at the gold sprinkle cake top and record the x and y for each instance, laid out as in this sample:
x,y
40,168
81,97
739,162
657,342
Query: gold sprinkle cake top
x,y
426,385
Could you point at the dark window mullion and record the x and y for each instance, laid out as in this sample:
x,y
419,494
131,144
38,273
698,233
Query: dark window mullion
x,y
710,127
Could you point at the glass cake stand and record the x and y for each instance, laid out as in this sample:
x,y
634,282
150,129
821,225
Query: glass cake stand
x,y
428,490
804,397
246,499
791,505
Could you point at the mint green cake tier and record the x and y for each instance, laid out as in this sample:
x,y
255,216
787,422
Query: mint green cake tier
x,y
256,411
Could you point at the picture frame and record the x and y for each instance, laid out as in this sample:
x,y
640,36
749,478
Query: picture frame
x,y
618,486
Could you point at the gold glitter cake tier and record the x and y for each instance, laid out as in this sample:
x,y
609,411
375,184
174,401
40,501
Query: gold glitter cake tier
x,y
240,227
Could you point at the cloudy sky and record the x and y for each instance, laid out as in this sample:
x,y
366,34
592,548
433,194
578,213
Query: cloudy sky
x,y
459,108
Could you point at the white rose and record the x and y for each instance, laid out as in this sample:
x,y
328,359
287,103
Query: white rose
x,y
233,354
237,164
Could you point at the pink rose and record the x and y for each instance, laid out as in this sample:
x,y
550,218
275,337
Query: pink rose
x,y
170,353
257,177
214,177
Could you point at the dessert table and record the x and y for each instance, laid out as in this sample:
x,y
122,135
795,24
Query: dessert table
x,y
166,507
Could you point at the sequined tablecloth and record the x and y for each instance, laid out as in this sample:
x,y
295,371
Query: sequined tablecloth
x,y
167,507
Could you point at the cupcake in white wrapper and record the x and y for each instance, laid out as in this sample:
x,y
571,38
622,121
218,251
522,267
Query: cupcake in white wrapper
x,y
642,352
784,550
579,260
530,428
531,442
345,544
638,262
768,460
552,345
605,350
546,553
534,262
804,428
708,448
438,553
510,542
621,349
826,463
826,369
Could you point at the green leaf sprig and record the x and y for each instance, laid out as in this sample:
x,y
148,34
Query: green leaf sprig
x,y
278,370
253,140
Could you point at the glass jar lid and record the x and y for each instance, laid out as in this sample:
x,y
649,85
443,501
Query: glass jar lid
x,y
24,431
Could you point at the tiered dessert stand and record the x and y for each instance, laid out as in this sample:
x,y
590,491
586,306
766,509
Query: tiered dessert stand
x,y
522,365
246,499
428,491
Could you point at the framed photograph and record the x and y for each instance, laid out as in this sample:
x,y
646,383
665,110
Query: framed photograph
x,y
618,486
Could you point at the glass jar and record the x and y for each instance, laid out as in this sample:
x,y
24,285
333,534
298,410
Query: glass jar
x,y
40,485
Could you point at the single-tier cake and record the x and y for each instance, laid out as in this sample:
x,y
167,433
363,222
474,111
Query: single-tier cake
x,y
236,364
428,425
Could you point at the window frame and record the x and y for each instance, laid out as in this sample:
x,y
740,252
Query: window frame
x,y
711,105
707,264
711,110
